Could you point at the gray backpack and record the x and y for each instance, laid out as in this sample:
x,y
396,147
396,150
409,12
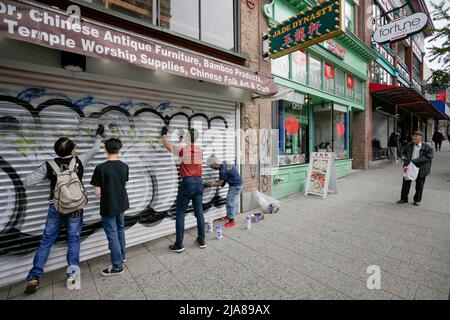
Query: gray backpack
x,y
69,194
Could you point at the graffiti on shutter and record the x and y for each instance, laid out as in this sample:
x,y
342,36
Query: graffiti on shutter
x,y
33,118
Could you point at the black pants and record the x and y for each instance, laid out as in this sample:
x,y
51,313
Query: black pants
x,y
438,145
420,181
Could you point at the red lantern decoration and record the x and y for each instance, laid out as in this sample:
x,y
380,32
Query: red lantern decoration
x,y
329,71
340,128
291,125
441,96
350,82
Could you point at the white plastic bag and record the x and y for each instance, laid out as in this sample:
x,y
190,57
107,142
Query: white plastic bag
x,y
268,204
410,172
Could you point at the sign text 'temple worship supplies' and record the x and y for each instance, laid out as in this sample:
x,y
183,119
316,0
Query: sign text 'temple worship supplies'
x,y
54,29
312,25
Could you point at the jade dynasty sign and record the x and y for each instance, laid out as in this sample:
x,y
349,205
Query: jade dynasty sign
x,y
312,25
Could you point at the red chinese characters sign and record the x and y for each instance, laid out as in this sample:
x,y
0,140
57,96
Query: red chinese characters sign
x,y
329,71
291,125
441,96
350,82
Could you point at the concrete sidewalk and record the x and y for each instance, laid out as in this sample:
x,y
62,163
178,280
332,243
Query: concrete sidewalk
x,y
311,249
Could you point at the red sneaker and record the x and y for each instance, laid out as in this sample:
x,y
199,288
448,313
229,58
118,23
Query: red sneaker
x,y
225,218
230,225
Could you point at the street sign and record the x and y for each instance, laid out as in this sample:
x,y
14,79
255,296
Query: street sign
x,y
312,25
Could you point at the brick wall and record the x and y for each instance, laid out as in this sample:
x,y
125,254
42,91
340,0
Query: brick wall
x,y
362,121
253,116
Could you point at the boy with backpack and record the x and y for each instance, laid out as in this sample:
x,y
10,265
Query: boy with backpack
x,y
109,180
66,202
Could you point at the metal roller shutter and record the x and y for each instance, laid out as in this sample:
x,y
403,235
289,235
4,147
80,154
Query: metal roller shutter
x,y
36,109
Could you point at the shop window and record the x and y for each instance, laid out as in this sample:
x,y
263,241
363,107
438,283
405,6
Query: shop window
x,y
340,82
291,120
138,9
280,66
350,83
315,73
358,91
299,67
211,21
340,145
329,74
330,129
217,25
181,16
349,15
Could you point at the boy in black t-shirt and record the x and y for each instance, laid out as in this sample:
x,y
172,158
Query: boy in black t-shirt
x,y
109,180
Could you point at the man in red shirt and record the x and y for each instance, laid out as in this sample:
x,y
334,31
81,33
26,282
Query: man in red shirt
x,y
190,187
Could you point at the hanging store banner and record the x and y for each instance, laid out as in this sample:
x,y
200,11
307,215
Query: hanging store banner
x,y
313,25
401,28
57,30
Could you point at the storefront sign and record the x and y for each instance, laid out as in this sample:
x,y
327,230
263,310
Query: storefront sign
x,y
401,28
321,178
334,48
54,29
350,82
441,96
311,26
329,71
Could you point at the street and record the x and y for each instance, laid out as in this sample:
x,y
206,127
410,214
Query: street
x,y
313,248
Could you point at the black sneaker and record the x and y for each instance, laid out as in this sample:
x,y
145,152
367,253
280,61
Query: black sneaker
x,y
176,248
124,259
110,271
402,201
201,243
416,204
32,285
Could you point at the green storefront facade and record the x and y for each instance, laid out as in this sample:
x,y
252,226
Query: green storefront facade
x,y
332,76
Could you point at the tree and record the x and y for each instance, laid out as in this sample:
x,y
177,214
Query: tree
x,y
440,79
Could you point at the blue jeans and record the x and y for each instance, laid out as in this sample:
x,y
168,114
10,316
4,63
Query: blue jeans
x,y
190,188
114,227
55,219
232,200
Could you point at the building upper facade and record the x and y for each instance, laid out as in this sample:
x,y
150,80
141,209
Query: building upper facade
x,y
333,69
399,63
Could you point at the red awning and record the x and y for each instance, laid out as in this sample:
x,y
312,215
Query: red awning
x,y
407,99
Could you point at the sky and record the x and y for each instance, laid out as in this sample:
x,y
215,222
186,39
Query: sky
x,y
437,24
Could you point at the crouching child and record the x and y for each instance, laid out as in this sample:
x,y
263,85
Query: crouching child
x,y
109,180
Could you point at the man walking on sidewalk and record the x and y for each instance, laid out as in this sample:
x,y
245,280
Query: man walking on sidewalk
x,y
190,187
437,139
420,154
394,147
